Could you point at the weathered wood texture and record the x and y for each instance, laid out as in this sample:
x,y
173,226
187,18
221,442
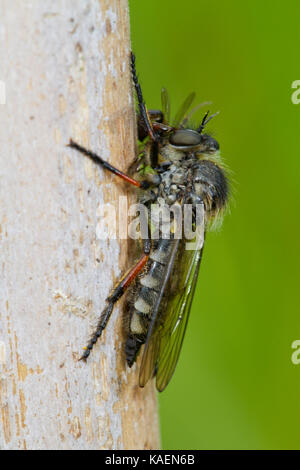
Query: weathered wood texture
x,y
66,69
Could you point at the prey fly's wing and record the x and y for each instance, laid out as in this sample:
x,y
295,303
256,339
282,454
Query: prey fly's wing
x,y
183,109
165,103
170,317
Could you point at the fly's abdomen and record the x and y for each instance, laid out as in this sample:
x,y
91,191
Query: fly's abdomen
x,y
146,297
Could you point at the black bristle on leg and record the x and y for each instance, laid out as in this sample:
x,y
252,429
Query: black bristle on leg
x,y
100,327
115,296
142,108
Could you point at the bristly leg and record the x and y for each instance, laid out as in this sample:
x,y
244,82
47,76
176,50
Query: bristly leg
x,y
99,161
142,108
114,297
130,276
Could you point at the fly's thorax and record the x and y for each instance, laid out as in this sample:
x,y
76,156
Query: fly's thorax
x,y
191,174
173,182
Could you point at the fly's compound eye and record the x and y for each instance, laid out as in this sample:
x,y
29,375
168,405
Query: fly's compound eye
x,y
185,138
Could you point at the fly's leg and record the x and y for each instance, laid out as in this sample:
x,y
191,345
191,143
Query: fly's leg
x,y
99,161
150,121
156,117
144,115
131,275
115,296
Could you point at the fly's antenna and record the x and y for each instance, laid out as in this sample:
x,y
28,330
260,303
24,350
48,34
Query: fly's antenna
x,y
205,120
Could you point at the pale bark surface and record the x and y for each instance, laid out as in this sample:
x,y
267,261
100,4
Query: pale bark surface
x,y
66,70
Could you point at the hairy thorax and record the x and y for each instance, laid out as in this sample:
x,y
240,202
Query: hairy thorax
x,y
192,177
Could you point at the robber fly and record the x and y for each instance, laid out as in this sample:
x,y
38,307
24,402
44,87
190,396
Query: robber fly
x,y
185,168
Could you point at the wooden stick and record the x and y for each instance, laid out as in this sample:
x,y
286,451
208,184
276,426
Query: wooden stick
x,y
65,66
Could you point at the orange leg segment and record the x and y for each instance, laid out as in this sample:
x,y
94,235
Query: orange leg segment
x,y
111,300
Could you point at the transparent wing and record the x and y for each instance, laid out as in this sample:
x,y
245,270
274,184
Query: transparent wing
x,y
152,345
183,109
190,114
172,334
165,102
168,325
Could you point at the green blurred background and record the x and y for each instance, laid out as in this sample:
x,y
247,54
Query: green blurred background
x,y
235,386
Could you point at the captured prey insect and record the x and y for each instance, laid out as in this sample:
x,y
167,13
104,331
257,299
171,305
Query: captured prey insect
x,y
181,165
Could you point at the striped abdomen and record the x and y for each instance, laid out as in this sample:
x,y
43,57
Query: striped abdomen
x,y
145,299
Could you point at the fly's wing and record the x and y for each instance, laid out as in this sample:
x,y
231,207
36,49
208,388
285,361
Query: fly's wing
x,y
169,321
188,116
183,109
165,102
152,345
173,330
